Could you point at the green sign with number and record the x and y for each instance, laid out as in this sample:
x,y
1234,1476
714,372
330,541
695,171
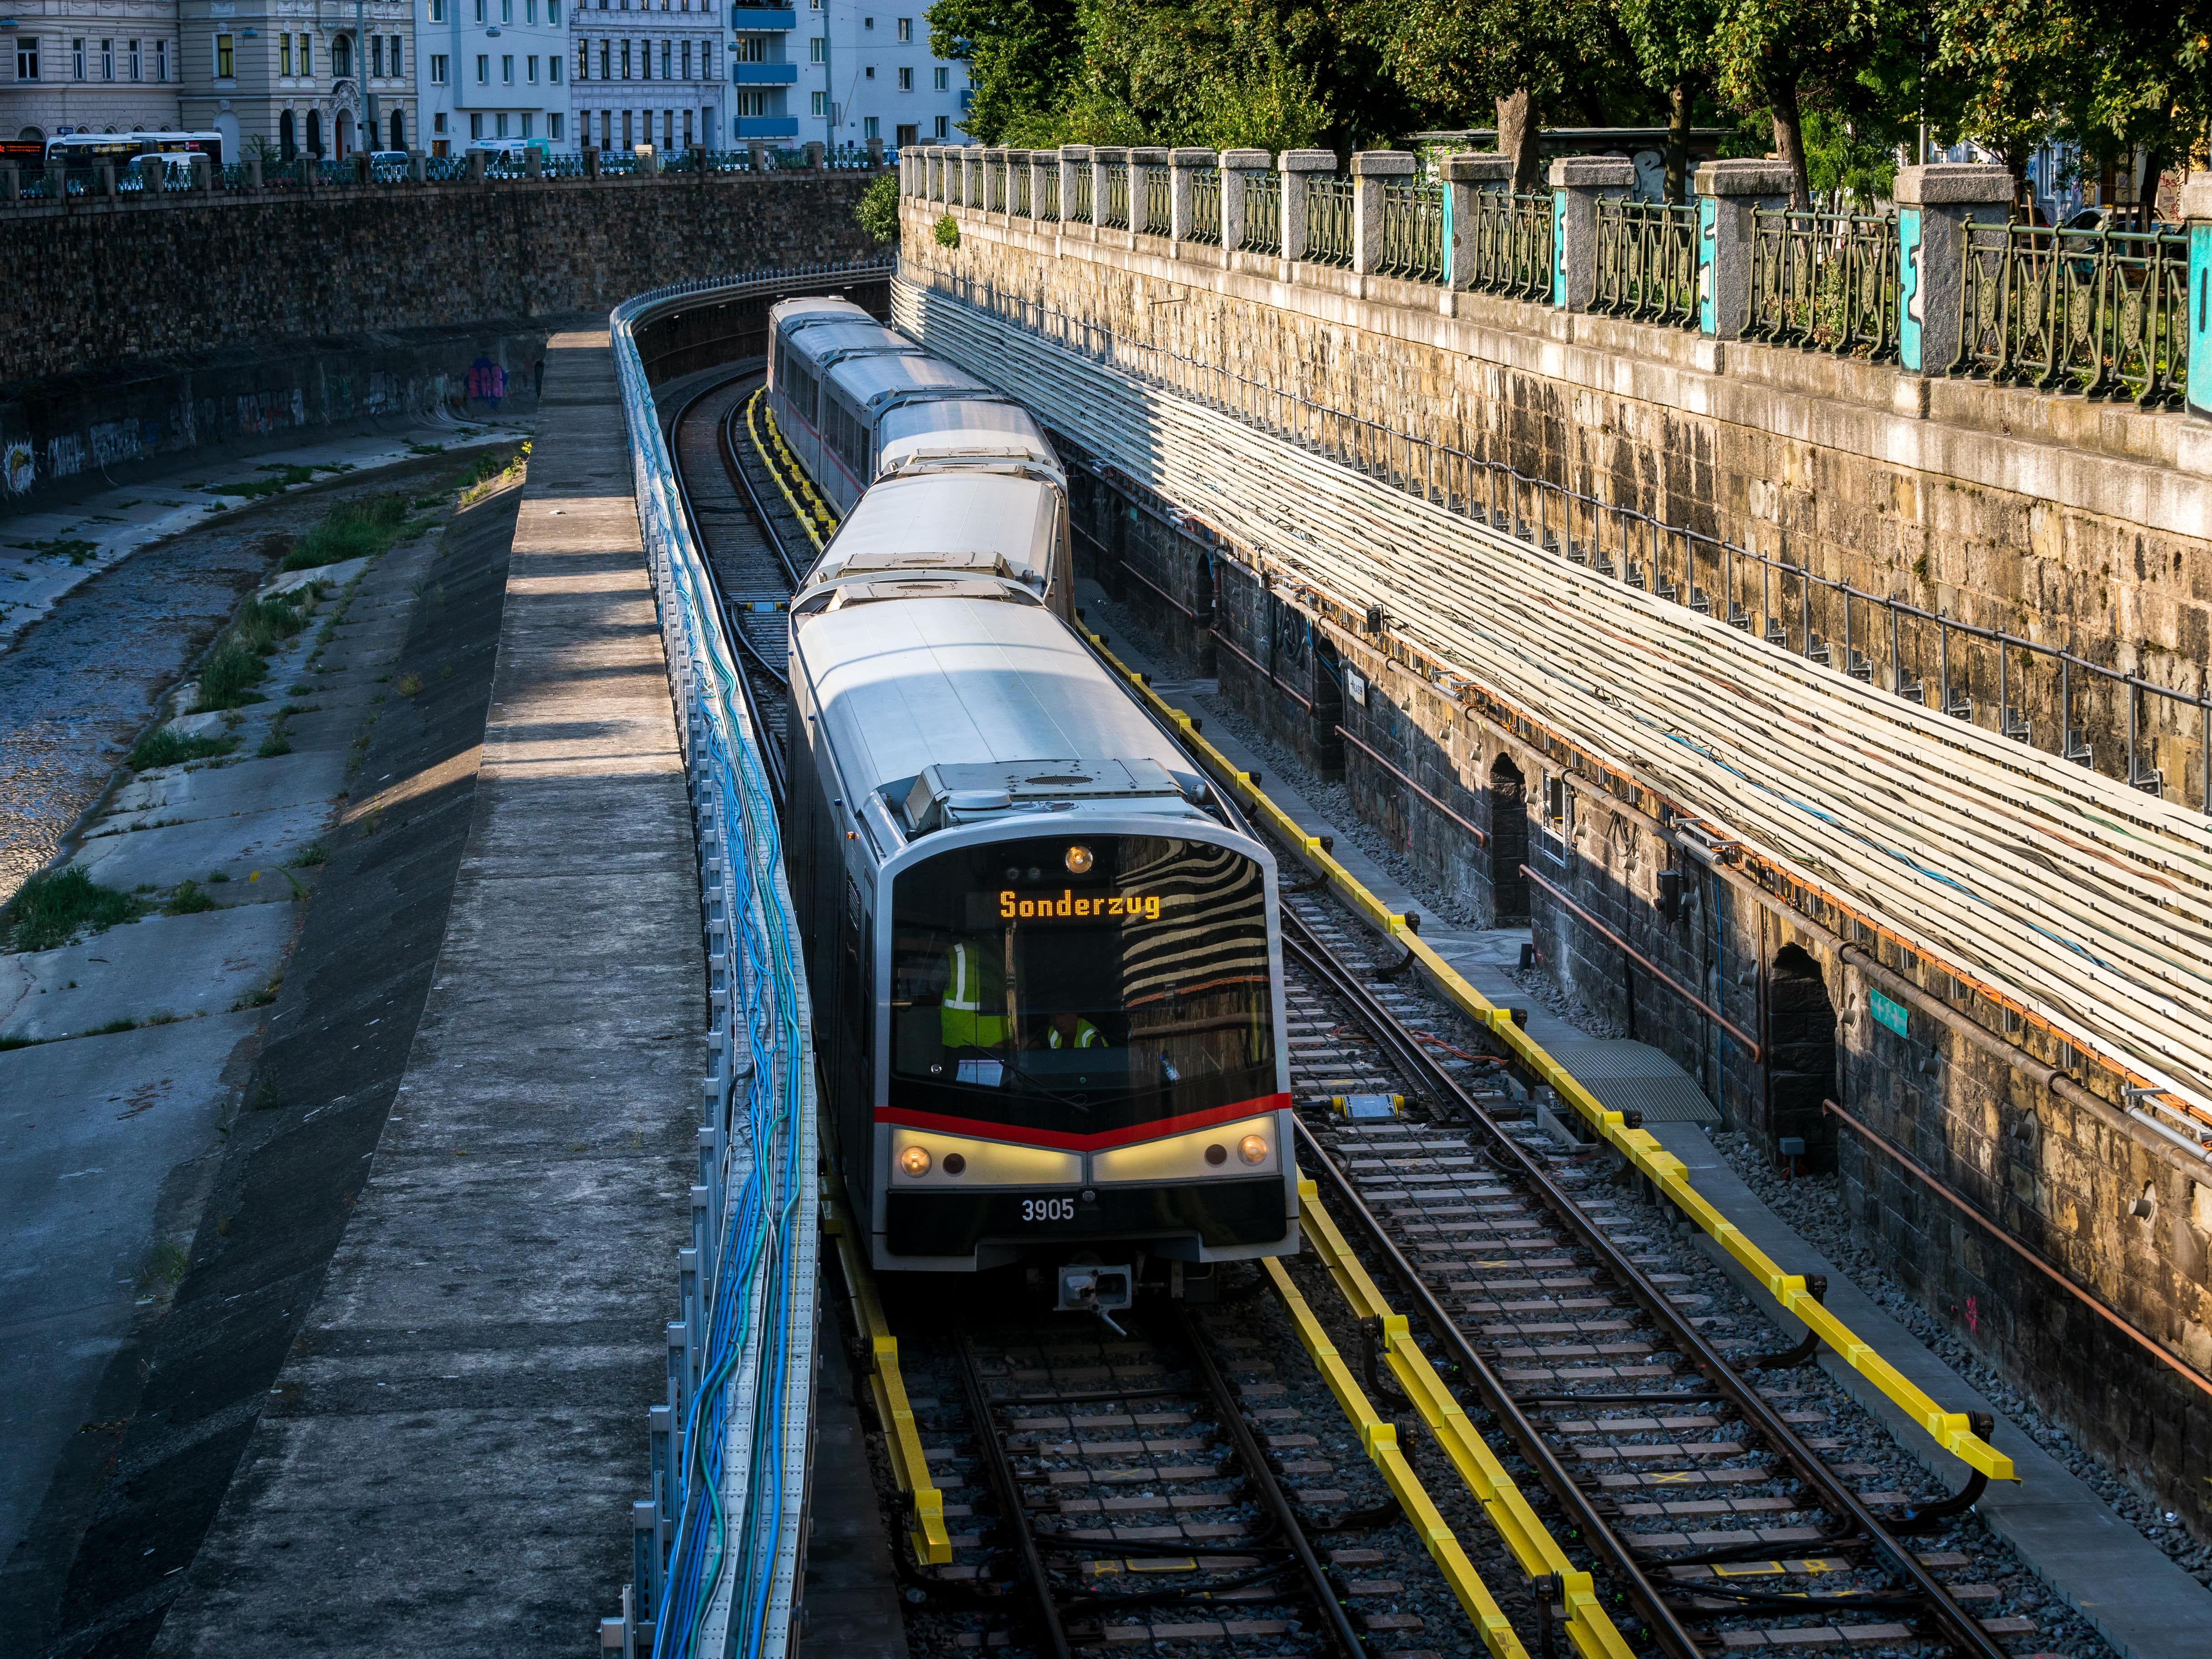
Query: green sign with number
x,y
1887,1012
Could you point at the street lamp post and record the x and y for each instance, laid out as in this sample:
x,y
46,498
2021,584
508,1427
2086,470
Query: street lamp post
x,y
360,73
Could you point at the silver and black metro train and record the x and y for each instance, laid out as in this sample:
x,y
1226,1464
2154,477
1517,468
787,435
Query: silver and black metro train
x,y
1046,967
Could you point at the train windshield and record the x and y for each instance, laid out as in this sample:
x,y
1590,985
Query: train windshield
x,y
1081,984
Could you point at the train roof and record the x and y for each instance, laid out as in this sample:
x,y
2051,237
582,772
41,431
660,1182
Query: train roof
x,y
963,681
917,520
849,336
960,429
869,381
815,308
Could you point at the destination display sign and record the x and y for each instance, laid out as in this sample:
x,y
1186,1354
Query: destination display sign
x,y
1072,906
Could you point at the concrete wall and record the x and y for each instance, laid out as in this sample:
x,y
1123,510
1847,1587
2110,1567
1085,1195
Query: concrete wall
x,y
163,323
2049,516
1994,1115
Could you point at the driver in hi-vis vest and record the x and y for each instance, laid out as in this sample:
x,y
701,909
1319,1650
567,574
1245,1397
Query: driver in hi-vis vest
x,y
974,1009
1073,1031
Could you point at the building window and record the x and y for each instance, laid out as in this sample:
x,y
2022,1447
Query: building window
x,y
399,131
752,49
306,55
625,60
687,60
438,16
868,128
530,69
107,60
604,50
475,126
437,69
225,63
393,58
821,103
941,78
583,60
26,59
553,74
483,68
438,123
553,16
667,59
76,59
284,54
529,11
606,122
499,123
752,103
376,56
507,11
906,28
138,63
342,55
867,22
288,142
525,124
944,127
870,71
553,124
817,50
314,133
160,60
480,18
906,80
506,68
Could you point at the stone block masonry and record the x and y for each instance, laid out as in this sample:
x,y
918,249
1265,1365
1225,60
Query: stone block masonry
x,y
102,281
1773,1005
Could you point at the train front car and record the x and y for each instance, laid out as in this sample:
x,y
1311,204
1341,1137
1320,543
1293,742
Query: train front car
x,y
1045,962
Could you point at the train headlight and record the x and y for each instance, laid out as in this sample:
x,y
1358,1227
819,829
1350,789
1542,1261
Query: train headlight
x,y
1078,861
1253,1149
914,1161
1236,1151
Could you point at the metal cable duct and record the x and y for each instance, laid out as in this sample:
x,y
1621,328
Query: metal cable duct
x,y
2085,904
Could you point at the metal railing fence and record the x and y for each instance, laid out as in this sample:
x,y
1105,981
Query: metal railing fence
x,y
1085,188
1647,261
1117,212
1825,281
1159,209
730,1463
1511,239
1328,222
1048,192
1964,670
1263,213
1412,232
2103,313
1205,207
1019,177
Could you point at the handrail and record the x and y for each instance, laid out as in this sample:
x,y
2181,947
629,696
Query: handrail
x,y
719,1546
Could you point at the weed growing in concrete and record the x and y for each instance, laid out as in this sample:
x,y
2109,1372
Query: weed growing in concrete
x,y
492,473
410,685
313,854
372,821
190,899
8,1042
260,997
218,875
281,478
236,665
278,740
54,906
264,1097
163,747
73,549
113,1026
351,530
167,1263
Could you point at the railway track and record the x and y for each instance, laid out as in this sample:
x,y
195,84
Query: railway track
x,y
1592,1408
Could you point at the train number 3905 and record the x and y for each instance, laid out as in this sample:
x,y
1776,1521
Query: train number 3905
x,y
1047,1209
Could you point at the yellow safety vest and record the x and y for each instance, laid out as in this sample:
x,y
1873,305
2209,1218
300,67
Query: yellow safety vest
x,y
1087,1035
974,983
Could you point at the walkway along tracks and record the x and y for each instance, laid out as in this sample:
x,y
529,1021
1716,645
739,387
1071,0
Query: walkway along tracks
x,y
717,1545
2074,902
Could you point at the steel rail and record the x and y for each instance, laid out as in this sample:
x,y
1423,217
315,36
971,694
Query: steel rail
x,y
734,463
2063,896
773,761
1958,1627
1008,1487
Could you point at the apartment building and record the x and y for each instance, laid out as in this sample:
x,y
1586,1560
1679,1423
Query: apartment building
x,y
650,74
87,66
873,77
494,68
286,78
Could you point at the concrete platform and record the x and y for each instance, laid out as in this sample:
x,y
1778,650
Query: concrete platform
x,y
447,1464
2142,1603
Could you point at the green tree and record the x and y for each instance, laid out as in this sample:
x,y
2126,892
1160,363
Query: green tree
x,y
1673,42
1788,56
879,207
1021,57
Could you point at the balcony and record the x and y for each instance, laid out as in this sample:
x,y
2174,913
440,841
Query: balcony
x,y
755,19
764,75
767,126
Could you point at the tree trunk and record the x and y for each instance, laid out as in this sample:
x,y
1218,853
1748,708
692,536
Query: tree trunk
x,y
1678,141
1789,143
1517,136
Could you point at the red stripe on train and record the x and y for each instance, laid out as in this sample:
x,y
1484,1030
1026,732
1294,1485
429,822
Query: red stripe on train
x,y
1157,1129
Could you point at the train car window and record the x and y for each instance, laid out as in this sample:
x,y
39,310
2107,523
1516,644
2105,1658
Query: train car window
x,y
1081,986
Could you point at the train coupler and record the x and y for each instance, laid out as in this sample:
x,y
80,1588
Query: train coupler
x,y
1086,1287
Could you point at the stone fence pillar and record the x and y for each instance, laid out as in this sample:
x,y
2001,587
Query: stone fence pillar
x,y
1297,168
1104,158
1466,178
1237,166
1935,203
1043,164
2196,213
1579,184
755,156
9,190
1184,166
875,148
1074,158
534,163
814,153
992,161
253,172
475,166
1372,170
1141,164
415,169
364,167
153,173
1728,193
